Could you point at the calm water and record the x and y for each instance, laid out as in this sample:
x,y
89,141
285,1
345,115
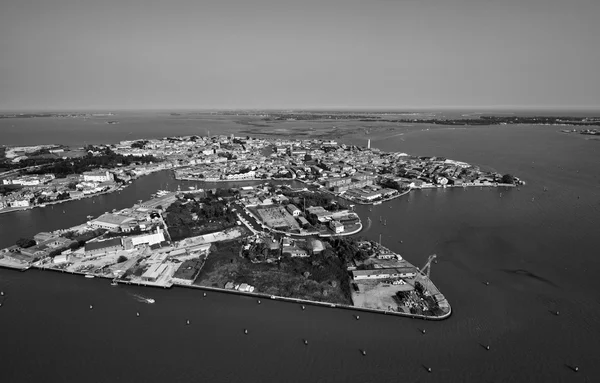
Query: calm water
x,y
539,256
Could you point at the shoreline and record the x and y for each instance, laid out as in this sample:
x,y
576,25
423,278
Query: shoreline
x,y
111,190
419,189
248,294
13,209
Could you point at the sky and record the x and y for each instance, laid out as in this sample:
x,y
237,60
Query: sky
x,y
200,54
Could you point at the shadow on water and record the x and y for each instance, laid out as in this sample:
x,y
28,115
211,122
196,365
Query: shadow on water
x,y
529,274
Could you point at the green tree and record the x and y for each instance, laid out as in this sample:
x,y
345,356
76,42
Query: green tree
x,y
25,242
508,179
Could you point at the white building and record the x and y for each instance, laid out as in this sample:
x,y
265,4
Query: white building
x,y
398,272
98,176
154,272
20,203
336,226
62,258
149,239
293,210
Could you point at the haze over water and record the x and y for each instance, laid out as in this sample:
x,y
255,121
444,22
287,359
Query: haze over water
x,y
539,257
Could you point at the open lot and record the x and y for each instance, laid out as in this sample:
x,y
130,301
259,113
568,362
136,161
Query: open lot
x,y
378,295
285,279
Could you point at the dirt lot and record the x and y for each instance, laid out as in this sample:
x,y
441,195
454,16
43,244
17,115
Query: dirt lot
x,y
377,295
224,264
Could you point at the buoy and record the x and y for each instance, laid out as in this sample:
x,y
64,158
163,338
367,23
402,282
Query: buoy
x,y
245,331
557,313
303,307
357,317
428,369
137,314
423,331
259,301
363,352
487,348
305,341
91,307
187,322
487,283
204,294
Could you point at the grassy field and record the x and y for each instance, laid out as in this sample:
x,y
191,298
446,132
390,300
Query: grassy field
x,y
297,278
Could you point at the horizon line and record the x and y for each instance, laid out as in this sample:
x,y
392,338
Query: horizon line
x,y
300,108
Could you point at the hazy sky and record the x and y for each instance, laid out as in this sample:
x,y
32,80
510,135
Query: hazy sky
x,y
111,54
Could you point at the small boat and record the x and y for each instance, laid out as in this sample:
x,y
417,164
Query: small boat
x,y
89,276
43,205
150,300
377,203
114,284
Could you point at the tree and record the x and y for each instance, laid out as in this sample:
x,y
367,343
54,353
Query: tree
x,y
121,259
508,179
25,242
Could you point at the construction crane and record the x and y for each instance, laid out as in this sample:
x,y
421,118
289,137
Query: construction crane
x,y
428,265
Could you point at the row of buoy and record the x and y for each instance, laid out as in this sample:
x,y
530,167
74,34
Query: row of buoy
x,y
362,351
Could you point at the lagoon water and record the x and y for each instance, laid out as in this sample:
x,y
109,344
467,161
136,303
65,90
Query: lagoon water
x,y
537,249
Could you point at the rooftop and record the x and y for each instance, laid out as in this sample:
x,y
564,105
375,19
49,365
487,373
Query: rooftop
x,y
90,246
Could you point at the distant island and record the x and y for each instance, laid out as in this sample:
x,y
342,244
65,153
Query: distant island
x,y
39,175
55,115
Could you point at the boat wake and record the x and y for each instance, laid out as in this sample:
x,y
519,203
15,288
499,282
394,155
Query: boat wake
x,y
142,299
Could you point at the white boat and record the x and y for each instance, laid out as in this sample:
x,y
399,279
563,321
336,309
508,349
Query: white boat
x,y
150,300
43,205
377,203
114,284
89,276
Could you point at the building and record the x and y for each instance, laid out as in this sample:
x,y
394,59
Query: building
x,y
110,221
336,226
103,247
146,239
19,203
338,182
62,258
98,176
294,211
303,222
154,272
245,288
396,272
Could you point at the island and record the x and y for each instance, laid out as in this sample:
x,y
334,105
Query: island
x,y
40,175
209,239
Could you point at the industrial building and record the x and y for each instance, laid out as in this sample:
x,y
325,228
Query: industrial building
x,y
103,247
396,272
154,272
